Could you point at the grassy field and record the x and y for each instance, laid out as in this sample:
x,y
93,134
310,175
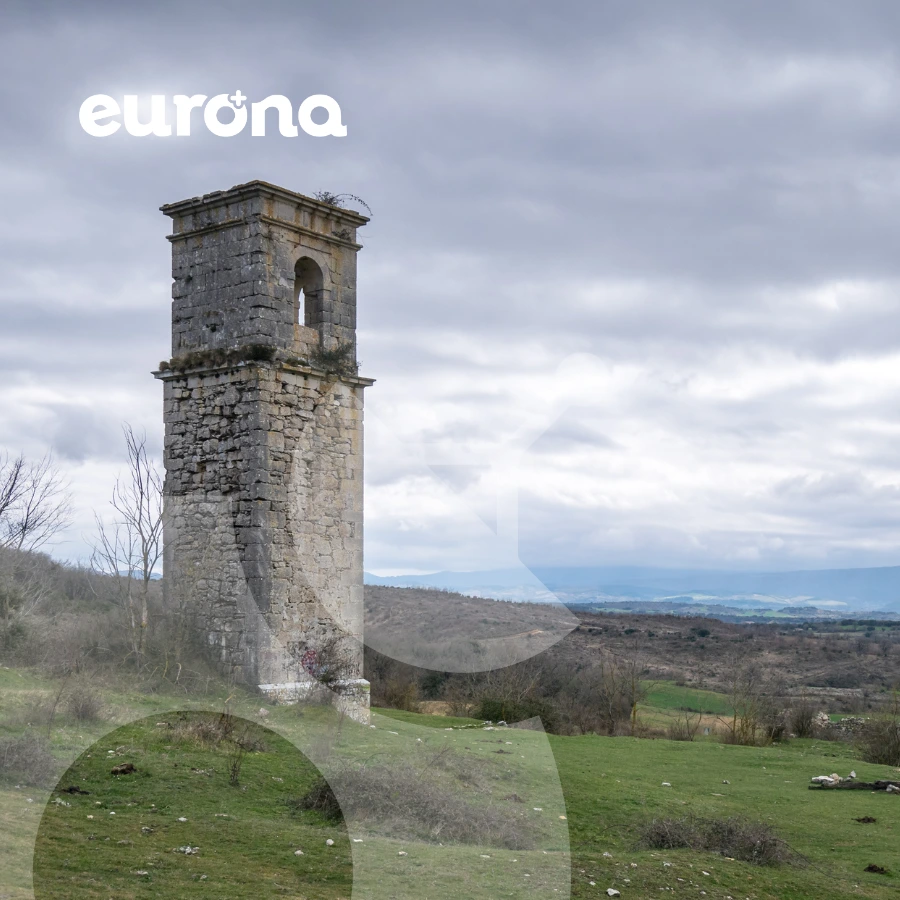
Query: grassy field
x,y
612,785
579,803
666,695
127,834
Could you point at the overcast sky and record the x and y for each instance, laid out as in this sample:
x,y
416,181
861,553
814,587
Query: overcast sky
x,y
634,268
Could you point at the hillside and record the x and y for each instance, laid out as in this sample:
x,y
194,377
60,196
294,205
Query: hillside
x,y
829,656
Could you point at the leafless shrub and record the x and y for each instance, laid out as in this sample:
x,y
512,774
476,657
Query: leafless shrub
x,y
400,692
328,659
752,842
203,731
84,703
460,701
685,725
321,798
756,718
879,739
235,760
406,801
803,718
27,758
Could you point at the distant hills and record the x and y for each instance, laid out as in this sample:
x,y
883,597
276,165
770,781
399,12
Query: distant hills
x,y
839,590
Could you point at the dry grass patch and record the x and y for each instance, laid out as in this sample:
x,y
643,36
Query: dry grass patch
x,y
430,802
748,841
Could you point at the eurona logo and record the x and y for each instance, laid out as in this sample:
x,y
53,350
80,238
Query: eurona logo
x,y
100,115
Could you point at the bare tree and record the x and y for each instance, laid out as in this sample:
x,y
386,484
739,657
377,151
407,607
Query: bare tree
x,y
34,502
633,671
752,693
129,548
24,584
34,506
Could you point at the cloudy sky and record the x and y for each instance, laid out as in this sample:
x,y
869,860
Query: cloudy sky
x,y
631,291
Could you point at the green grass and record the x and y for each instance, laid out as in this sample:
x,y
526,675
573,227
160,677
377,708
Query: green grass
x,y
606,788
428,721
99,844
612,785
667,695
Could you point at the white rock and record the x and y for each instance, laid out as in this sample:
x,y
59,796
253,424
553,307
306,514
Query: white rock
x,y
667,784
612,892
329,843
298,853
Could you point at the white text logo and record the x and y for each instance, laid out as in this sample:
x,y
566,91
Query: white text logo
x,y
100,115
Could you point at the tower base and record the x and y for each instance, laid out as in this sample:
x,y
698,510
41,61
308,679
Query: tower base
x,y
350,697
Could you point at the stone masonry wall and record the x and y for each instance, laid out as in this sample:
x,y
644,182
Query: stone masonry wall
x,y
264,489
233,259
263,451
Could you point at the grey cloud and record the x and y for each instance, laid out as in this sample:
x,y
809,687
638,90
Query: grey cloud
x,y
658,184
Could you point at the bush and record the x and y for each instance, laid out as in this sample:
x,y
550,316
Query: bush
x,y
321,798
400,693
27,758
339,360
752,842
685,726
12,636
84,704
202,730
880,741
804,723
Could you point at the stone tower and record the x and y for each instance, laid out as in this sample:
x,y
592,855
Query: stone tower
x,y
264,439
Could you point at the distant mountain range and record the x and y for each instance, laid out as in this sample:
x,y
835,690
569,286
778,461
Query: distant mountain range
x,y
841,590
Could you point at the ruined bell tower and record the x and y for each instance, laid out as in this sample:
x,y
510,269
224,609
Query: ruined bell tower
x,y
264,436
